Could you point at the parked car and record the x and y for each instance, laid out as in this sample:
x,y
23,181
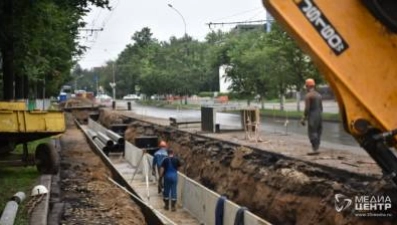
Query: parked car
x,y
131,97
104,100
158,97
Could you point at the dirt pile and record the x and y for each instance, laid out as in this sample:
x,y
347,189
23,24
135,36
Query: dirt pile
x,y
89,197
81,108
78,102
107,118
280,189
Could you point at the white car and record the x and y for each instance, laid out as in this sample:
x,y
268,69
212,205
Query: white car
x,y
104,100
131,97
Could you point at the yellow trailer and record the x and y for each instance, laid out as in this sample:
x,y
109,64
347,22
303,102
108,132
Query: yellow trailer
x,y
20,126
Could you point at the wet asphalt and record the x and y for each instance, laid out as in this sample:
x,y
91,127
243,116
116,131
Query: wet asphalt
x,y
333,132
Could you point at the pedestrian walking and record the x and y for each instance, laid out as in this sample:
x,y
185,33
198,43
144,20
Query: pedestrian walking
x,y
158,158
313,115
169,170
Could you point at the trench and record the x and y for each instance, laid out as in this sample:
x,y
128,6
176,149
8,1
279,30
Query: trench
x,y
280,189
82,193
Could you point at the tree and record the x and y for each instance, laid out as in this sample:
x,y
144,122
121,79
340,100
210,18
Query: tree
x,y
135,61
176,67
245,52
265,64
38,42
289,64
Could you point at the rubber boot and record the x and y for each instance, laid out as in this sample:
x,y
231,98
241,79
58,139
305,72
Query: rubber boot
x,y
166,206
159,189
173,205
160,185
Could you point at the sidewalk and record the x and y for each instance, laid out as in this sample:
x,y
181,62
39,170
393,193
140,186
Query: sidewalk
x,y
329,106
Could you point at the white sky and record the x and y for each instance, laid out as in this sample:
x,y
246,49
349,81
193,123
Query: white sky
x,y
130,16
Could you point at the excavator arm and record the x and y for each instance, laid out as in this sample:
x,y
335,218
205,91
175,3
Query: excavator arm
x,y
354,45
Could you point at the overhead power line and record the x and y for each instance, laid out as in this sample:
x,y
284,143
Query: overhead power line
x,y
240,13
235,23
91,29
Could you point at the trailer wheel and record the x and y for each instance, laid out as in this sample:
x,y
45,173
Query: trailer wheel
x,y
47,159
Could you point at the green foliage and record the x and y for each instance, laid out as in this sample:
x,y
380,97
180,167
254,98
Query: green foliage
x,y
15,179
258,63
206,94
295,114
38,42
177,67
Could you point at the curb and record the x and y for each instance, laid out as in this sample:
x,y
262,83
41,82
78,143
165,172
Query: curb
x,y
40,211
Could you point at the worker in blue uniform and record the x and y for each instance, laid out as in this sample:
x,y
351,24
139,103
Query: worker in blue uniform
x,y
169,170
158,158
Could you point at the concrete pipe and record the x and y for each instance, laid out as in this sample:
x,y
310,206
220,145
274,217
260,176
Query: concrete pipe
x,y
11,209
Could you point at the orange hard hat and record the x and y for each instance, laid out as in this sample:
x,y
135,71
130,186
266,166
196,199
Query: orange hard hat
x,y
163,144
310,82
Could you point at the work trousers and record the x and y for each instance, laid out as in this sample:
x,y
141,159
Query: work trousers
x,y
315,129
170,183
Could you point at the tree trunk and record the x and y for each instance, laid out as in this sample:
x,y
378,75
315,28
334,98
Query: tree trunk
x,y
8,72
26,87
7,50
21,86
298,100
282,101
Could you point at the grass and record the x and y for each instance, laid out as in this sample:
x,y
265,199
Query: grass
x,y
296,115
277,100
173,105
15,179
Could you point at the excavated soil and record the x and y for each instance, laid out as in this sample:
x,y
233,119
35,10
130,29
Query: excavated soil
x,y
77,102
88,196
278,188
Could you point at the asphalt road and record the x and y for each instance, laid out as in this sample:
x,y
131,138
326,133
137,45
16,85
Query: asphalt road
x,y
329,106
332,132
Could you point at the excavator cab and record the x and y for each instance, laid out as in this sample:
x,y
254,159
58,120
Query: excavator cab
x,y
354,45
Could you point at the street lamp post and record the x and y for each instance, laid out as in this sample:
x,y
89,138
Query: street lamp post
x,y
183,19
113,84
185,34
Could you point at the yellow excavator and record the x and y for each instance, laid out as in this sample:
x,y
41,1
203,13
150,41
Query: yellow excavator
x,y
354,45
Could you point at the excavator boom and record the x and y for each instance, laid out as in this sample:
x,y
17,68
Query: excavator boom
x,y
354,45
